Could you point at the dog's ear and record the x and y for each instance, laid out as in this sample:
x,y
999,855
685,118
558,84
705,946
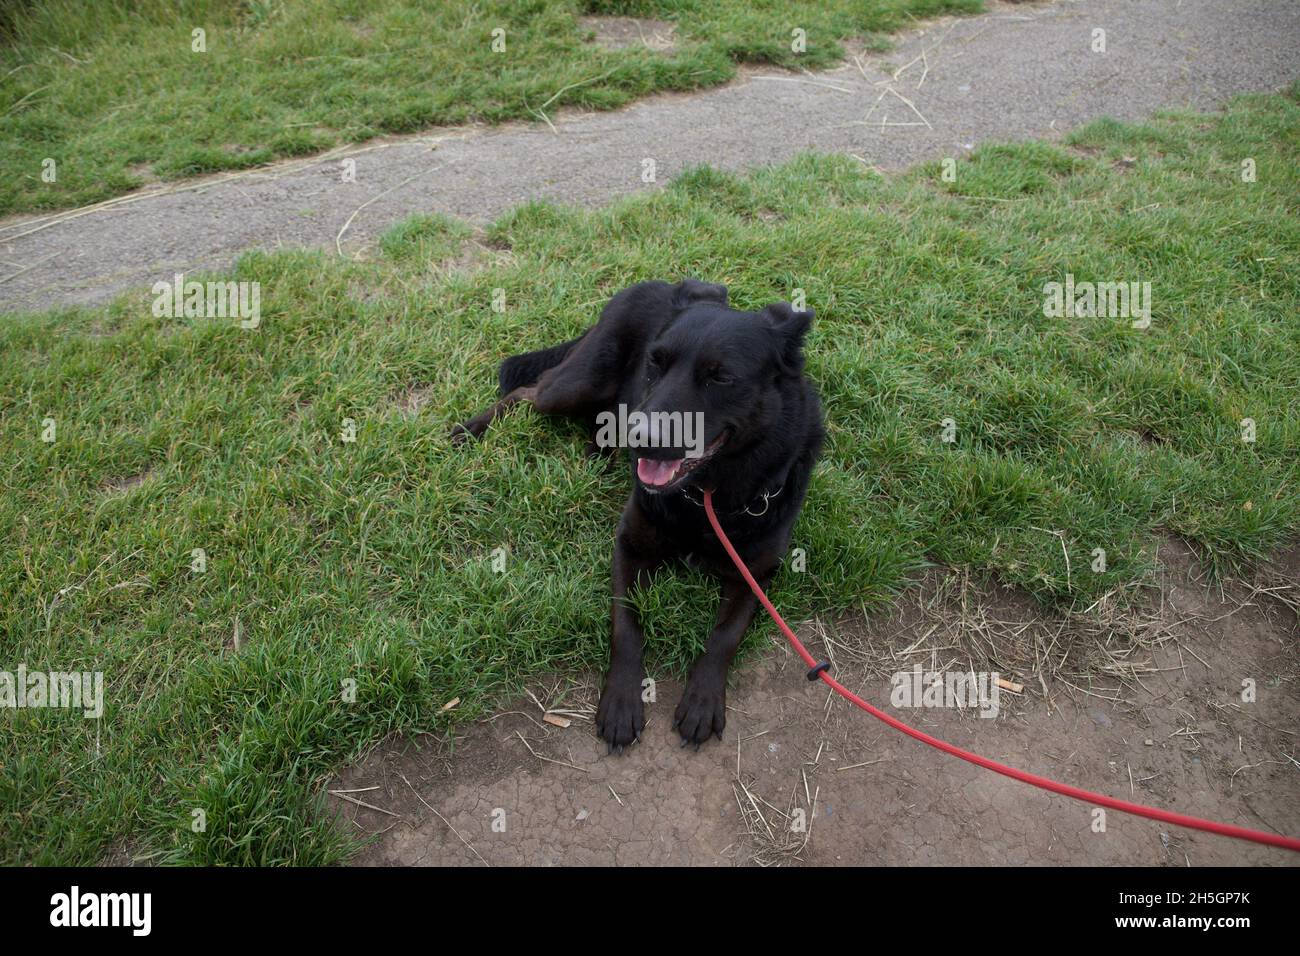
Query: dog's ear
x,y
790,327
690,291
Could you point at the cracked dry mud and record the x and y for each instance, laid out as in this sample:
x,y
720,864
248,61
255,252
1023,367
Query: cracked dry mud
x,y
1180,738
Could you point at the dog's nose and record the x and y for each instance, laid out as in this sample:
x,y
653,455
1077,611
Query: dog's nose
x,y
653,430
638,434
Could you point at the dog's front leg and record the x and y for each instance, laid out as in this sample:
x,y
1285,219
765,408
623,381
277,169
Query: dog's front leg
x,y
702,711
620,715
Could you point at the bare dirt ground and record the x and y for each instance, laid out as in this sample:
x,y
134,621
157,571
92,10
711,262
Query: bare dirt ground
x,y
1020,71
1140,699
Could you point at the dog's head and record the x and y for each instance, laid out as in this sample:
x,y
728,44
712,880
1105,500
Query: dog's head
x,y
712,384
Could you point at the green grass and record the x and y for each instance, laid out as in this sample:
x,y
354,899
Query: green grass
x,y
114,93
371,560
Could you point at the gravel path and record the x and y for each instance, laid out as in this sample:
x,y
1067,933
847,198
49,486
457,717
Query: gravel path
x,y
1017,72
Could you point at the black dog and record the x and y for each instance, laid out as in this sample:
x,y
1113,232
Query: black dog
x,y
680,355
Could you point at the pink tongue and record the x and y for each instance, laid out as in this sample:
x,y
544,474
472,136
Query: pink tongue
x,y
656,473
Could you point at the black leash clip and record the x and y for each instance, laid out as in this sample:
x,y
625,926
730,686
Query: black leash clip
x,y
813,672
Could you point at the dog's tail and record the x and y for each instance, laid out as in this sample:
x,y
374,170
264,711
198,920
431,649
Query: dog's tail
x,y
520,370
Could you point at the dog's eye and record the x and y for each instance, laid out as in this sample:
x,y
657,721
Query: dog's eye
x,y
717,376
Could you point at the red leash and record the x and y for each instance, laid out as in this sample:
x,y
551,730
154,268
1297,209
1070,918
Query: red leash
x,y
1087,796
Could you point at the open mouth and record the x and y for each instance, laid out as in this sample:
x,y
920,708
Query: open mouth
x,y
662,474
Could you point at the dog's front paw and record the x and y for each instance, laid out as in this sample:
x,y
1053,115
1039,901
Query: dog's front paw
x,y
702,711
620,715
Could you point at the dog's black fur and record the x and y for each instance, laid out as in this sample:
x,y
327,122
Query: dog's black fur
x,y
660,347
